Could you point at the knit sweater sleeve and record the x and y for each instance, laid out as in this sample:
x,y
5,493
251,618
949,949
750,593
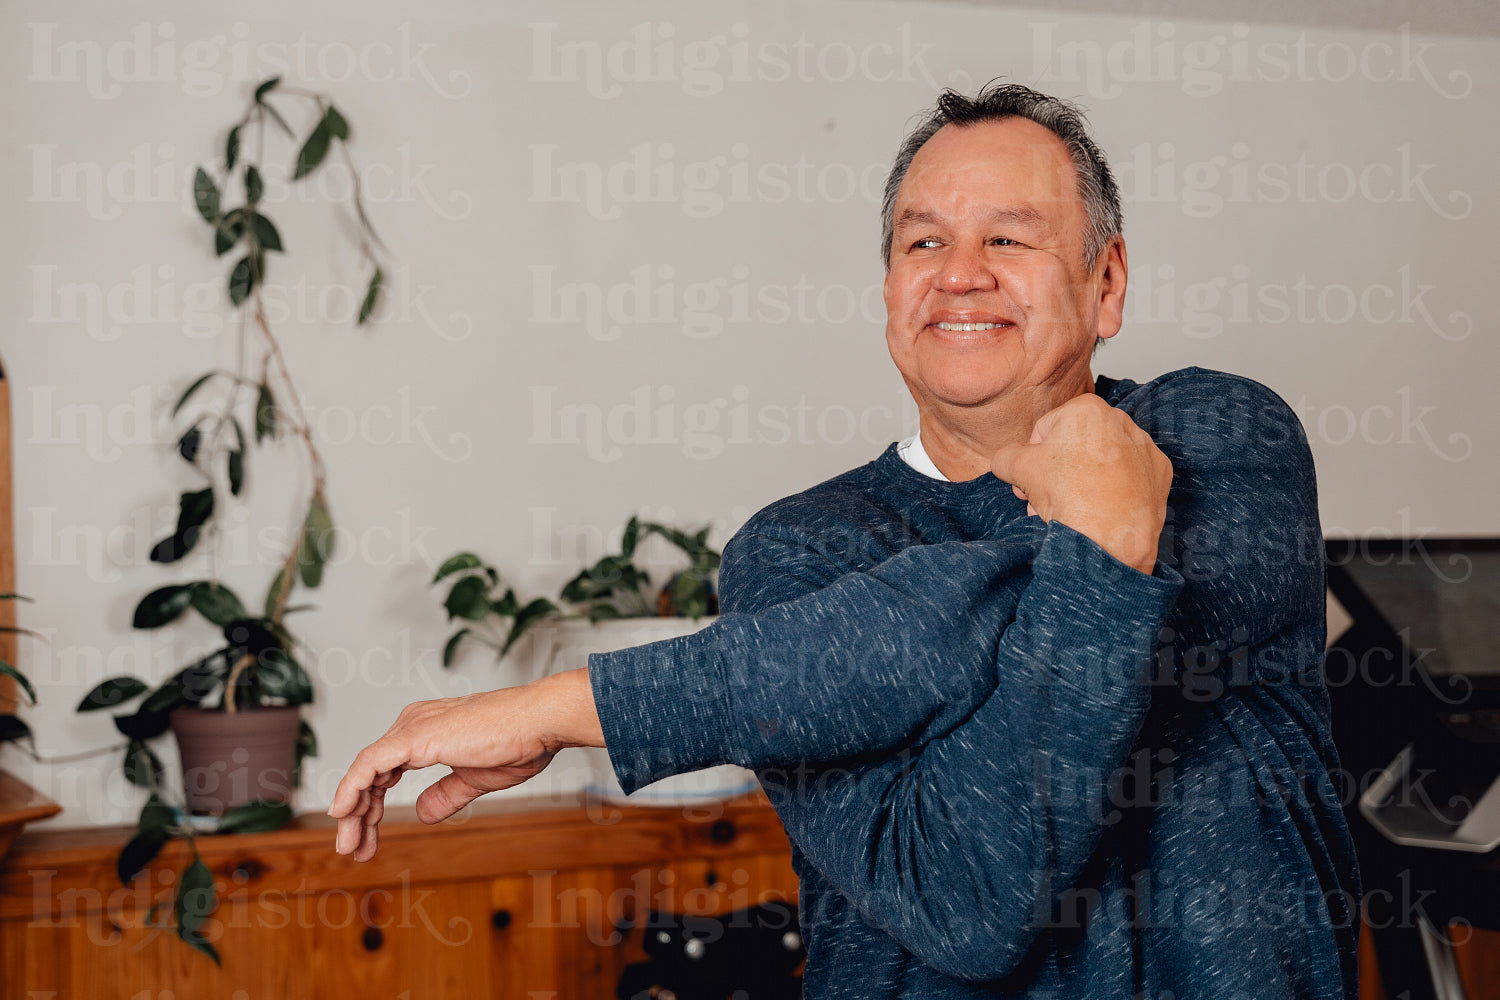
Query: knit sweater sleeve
x,y
879,661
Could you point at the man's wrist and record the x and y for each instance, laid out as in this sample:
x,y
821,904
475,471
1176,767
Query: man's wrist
x,y
567,714
1133,545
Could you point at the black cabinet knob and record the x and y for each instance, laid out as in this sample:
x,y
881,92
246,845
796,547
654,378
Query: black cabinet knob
x,y
372,938
247,870
722,832
500,919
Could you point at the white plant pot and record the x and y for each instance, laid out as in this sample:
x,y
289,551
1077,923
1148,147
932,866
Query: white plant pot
x,y
566,645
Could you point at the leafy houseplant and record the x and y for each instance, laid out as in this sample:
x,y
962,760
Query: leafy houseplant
x,y
12,727
253,677
614,587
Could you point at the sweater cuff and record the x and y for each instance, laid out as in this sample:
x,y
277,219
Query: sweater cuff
x,y
1102,623
1071,551
664,708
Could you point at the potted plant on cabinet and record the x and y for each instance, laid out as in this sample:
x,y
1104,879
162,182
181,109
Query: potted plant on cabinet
x,y
235,711
614,604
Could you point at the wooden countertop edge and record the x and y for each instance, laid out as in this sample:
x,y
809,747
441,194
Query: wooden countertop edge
x,y
74,870
20,803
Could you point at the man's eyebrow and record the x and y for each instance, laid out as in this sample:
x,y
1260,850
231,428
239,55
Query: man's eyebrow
x,y
1022,215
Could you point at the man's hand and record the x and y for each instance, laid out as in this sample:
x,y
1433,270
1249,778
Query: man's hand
x,y
491,740
1089,466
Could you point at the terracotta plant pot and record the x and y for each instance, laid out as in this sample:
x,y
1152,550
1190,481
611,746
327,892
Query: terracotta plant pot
x,y
230,759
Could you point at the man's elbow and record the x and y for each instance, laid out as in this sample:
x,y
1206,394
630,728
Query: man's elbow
x,y
978,948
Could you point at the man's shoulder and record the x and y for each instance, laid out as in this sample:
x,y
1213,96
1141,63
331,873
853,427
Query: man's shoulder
x,y
1207,413
841,499
1193,383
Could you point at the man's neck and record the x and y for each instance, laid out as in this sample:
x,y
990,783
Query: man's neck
x,y
962,441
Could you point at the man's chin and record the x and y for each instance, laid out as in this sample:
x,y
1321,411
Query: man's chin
x,y
966,392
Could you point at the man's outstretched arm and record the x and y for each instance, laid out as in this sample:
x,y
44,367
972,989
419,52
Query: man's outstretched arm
x,y
1089,470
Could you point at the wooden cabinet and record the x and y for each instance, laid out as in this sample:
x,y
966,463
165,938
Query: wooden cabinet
x,y
518,899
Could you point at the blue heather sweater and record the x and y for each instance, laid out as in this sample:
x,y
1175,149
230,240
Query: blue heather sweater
x,y
1011,765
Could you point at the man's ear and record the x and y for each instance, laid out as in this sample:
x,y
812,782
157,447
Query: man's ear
x,y
1112,270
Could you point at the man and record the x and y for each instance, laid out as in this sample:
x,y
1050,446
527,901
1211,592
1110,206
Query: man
x,y
1036,693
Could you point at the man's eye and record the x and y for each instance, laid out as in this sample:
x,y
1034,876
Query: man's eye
x,y
924,244
1005,241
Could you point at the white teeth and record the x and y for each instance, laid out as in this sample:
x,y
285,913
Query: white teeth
x,y
970,327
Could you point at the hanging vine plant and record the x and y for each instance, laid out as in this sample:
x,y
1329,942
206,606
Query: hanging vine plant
x,y
219,419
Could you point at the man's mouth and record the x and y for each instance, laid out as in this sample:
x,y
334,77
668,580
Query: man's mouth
x,y
969,327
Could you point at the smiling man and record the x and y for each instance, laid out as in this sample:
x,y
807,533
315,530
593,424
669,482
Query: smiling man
x,y
1037,692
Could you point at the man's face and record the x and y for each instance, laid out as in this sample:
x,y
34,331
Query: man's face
x,y
987,295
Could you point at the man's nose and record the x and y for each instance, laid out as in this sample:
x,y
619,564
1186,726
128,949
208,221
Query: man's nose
x,y
965,269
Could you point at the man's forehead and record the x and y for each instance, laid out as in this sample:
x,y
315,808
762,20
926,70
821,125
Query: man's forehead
x,y
1013,166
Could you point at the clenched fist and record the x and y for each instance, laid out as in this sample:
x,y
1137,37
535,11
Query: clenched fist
x,y
1089,466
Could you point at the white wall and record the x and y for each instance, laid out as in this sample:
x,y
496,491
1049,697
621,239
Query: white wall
x,y
760,348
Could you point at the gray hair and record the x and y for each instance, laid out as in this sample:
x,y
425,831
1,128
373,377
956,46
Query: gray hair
x,y
996,102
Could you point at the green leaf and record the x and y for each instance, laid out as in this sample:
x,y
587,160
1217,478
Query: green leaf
x,y
454,563
187,447
241,281
199,944
255,817
307,746
265,232
142,766
314,150
196,509
469,598
283,678
527,617
265,414
265,88
506,607
155,814
273,593
206,196
158,608
140,852
195,901
182,400
236,471
336,123
254,187
307,740
112,693
599,612
143,725
16,597
6,670
631,536
12,729
317,542
216,602
451,646
192,685
372,297
232,148
228,232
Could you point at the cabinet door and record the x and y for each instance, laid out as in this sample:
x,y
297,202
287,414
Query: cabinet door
x,y
404,941
556,934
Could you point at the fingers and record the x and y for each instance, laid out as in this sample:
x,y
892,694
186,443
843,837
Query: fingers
x,y
1009,464
370,826
445,797
376,759
357,831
